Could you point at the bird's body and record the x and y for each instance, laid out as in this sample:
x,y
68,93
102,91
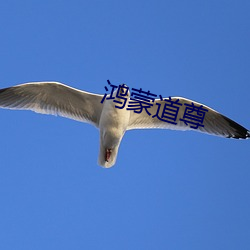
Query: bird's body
x,y
113,125
58,99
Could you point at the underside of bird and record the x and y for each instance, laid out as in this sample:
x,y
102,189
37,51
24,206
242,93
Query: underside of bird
x,y
175,113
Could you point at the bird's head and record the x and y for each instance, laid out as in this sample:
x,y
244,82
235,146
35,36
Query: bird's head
x,y
122,91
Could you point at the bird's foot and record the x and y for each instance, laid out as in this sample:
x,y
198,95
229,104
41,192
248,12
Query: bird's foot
x,y
108,154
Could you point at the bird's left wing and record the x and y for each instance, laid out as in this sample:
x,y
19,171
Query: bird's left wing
x,y
53,98
213,123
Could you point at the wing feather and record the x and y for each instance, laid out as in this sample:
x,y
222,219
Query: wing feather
x,y
214,122
55,99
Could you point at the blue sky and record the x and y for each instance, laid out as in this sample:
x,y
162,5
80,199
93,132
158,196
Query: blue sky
x,y
169,189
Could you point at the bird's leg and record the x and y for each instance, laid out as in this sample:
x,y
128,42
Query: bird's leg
x,y
108,154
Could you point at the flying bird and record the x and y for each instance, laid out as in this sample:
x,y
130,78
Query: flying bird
x,y
55,98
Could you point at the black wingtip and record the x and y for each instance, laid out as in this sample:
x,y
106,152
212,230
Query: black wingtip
x,y
3,90
239,131
248,134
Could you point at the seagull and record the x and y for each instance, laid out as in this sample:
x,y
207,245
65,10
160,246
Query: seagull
x,y
55,98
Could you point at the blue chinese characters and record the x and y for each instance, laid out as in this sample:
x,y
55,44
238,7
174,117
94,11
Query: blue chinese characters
x,y
167,109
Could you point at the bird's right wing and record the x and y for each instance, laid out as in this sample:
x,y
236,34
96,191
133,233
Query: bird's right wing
x,y
214,122
53,98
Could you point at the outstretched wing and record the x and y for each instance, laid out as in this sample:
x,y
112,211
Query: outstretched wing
x,y
55,99
214,122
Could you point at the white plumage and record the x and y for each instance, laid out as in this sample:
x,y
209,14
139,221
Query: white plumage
x,y
58,99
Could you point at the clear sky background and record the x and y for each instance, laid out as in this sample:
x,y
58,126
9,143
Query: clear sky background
x,y
169,189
